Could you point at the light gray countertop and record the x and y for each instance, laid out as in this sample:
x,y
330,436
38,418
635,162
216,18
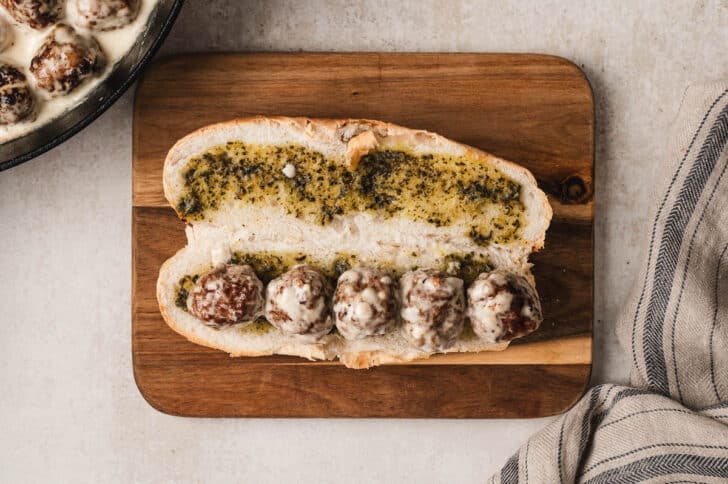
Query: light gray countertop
x,y
69,408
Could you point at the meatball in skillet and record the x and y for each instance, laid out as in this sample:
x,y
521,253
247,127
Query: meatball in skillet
x,y
64,60
103,14
16,99
37,14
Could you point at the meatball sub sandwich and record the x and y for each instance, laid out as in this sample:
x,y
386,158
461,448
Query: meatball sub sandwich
x,y
351,239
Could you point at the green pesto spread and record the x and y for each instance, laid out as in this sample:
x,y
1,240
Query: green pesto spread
x,y
259,326
466,266
183,289
269,265
437,189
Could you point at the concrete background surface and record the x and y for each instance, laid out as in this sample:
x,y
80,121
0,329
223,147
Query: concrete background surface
x,y
69,408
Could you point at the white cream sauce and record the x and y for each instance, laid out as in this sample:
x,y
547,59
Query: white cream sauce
x,y
421,294
364,306
22,46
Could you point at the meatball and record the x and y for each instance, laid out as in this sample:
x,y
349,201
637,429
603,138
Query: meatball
x,y
6,35
229,294
503,306
365,303
37,14
103,14
297,303
16,99
64,60
433,308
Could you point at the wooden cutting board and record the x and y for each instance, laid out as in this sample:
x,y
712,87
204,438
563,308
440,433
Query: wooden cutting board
x,y
532,109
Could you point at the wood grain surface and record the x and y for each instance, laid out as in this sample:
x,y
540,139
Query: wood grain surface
x,y
532,109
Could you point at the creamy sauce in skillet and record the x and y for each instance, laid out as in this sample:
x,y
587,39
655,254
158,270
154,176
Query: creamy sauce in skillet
x,y
24,42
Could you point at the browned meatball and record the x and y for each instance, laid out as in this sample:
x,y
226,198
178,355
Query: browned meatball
x,y
297,303
6,35
365,303
35,13
503,306
229,294
433,308
16,99
64,60
103,14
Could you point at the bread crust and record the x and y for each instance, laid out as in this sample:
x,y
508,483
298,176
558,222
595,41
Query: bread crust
x,y
339,139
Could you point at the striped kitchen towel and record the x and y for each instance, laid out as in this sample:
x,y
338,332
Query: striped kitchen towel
x,y
672,426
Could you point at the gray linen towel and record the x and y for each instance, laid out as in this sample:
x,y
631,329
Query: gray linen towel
x,y
673,425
